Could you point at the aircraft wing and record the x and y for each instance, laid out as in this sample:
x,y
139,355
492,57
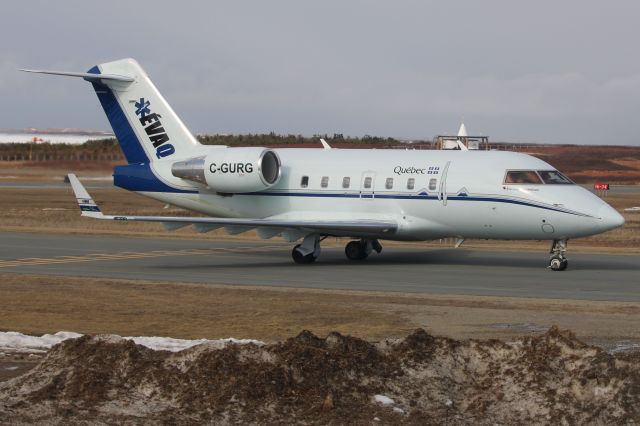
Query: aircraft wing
x,y
291,230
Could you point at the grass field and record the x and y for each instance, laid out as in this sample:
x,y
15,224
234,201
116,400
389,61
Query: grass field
x,y
39,304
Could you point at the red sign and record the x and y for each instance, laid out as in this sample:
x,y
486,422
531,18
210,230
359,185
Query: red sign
x,y
601,186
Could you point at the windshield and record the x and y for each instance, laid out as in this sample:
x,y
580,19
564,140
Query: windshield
x,y
554,177
536,177
522,176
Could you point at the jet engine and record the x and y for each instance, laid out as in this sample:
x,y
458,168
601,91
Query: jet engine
x,y
232,170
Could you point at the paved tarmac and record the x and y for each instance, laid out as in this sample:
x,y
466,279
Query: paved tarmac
x,y
439,271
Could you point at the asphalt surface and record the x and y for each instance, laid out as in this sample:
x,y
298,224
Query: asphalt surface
x,y
439,271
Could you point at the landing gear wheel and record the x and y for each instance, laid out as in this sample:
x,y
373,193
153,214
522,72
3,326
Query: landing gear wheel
x,y
301,258
557,263
356,250
564,264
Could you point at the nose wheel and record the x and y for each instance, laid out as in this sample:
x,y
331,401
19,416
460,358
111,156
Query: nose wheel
x,y
558,261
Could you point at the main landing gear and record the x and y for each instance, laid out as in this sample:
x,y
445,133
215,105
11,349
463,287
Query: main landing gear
x,y
557,260
359,250
309,250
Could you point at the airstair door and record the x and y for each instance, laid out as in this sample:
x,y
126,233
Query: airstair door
x,y
442,191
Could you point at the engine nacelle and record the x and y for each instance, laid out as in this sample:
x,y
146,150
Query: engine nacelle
x,y
232,170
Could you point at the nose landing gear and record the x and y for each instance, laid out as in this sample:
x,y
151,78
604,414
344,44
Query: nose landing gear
x,y
557,260
360,250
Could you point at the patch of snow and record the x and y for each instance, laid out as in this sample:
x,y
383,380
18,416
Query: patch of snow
x,y
398,410
384,400
11,341
449,403
13,367
376,419
177,345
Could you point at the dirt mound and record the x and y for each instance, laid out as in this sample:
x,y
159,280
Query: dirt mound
x,y
552,378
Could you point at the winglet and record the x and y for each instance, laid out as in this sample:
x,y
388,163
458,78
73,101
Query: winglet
x,y
88,207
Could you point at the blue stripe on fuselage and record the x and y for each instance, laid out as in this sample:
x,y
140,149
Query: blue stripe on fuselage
x,y
147,183
420,196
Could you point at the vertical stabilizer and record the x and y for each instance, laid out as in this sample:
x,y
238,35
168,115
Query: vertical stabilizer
x,y
462,131
146,127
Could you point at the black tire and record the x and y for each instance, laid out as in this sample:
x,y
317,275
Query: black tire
x,y
564,264
301,259
555,263
355,250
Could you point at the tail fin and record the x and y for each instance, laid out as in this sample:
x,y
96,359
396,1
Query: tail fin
x,y
146,127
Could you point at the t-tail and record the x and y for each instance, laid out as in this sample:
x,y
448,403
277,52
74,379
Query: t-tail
x,y
148,130
144,123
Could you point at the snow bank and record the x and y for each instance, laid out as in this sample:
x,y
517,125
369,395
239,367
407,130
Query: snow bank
x,y
11,341
177,345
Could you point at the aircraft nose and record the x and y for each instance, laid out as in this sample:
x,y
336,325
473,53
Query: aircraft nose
x,y
610,218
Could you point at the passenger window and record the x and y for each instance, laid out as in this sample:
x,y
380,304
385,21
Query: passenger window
x,y
389,183
411,182
367,182
522,176
432,184
304,182
324,182
554,177
346,181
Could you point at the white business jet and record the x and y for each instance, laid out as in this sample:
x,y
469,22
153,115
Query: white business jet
x,y
308,194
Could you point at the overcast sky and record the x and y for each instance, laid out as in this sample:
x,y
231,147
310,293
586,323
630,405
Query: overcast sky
x,y
546,71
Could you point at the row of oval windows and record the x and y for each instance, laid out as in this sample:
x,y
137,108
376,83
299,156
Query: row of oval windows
x,y
346,182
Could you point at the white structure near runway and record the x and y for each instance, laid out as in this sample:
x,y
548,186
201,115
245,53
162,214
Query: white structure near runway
x,y
309,194
32,136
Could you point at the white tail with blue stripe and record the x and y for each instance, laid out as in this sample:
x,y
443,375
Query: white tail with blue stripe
x,y
145,124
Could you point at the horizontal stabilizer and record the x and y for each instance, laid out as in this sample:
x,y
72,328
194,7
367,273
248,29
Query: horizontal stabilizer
x,y
94,78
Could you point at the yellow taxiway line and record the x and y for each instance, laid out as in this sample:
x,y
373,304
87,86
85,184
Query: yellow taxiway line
x,y
94,257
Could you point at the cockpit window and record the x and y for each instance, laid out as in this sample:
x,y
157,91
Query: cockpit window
x,y
522,176
554,177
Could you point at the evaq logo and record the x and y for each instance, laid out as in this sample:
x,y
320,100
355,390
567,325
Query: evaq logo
x,y
152,125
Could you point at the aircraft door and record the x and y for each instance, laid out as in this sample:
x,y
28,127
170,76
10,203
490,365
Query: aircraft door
x,y
367,186
442,191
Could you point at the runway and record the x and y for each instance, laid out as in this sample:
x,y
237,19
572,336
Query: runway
x,y
428,270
